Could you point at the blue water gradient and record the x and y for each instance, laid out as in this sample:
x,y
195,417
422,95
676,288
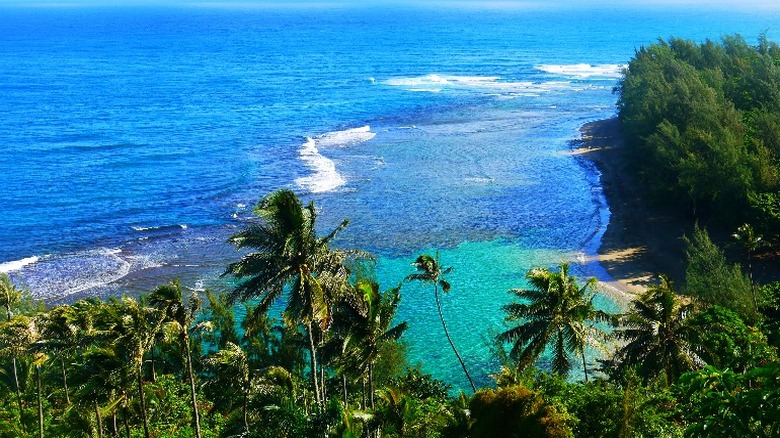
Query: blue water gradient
x,y
135,140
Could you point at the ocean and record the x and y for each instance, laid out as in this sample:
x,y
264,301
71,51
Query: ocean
x,y
137,139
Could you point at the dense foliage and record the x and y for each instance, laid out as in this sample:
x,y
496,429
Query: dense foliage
x,y
163,365
703,124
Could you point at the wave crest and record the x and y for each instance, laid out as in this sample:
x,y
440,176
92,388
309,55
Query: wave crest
x,y
16,265
491,85
68,274
325,177
584,71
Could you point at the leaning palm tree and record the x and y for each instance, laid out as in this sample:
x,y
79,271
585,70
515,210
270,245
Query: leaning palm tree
x,y
10,296
17,336
233,371
100,377
179,316
555,311
135,328
369,328
430,271
657,335
60,337
288,252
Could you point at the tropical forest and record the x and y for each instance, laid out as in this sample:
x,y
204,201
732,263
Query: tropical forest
x,y
306,343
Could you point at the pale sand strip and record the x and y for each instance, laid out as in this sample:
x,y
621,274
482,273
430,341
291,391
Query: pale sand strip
x,y
639,242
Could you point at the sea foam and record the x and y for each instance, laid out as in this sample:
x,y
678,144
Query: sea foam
x,y
584,71
16,265
489,85
68,274
325,177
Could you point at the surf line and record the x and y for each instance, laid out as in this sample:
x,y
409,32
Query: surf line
x,y
325,177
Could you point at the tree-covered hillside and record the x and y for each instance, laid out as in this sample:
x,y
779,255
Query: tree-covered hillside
x,y
163,365
703,125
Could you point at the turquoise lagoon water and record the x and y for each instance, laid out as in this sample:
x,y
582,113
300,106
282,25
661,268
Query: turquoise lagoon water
x,y
135,140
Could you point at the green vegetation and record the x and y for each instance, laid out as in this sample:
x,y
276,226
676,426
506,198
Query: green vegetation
x,y
703,124
430,271
704,121
161,365
555,311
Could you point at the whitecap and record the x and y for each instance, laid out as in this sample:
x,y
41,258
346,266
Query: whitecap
x,y
347,137
479,179
584,71
325,177
432,81
493,86
158,227
16,265
67,274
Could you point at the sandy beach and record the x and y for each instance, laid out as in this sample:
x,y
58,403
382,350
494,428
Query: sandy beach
x,y
640,242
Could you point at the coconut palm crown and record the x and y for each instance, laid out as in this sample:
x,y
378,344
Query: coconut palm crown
x,y
657,335
555,311
429,270
288,252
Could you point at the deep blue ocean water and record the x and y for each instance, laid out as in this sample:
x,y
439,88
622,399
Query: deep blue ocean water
x,y
136,139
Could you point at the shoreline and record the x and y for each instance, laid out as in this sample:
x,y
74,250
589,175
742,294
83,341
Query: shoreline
x,y
639,242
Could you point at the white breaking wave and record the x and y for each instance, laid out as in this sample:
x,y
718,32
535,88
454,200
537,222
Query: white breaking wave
x,y
347,137
16,265
325,177
442,80
584,71
68,274
492,85
159,228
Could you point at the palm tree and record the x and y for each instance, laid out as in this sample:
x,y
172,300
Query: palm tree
x,y
17,336
232,363
369,328
38,360
60,336
430,271
100,378
9,297
180,315
554,311
290,253
135,328
657,335
234,370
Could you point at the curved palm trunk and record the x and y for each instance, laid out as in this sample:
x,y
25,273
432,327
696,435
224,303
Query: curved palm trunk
x,y
19,396
371,385
447,333
65,381
125,418
246,422
143,403
344,386
584,364
9,314
99,420
195,414
40,401
313,363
